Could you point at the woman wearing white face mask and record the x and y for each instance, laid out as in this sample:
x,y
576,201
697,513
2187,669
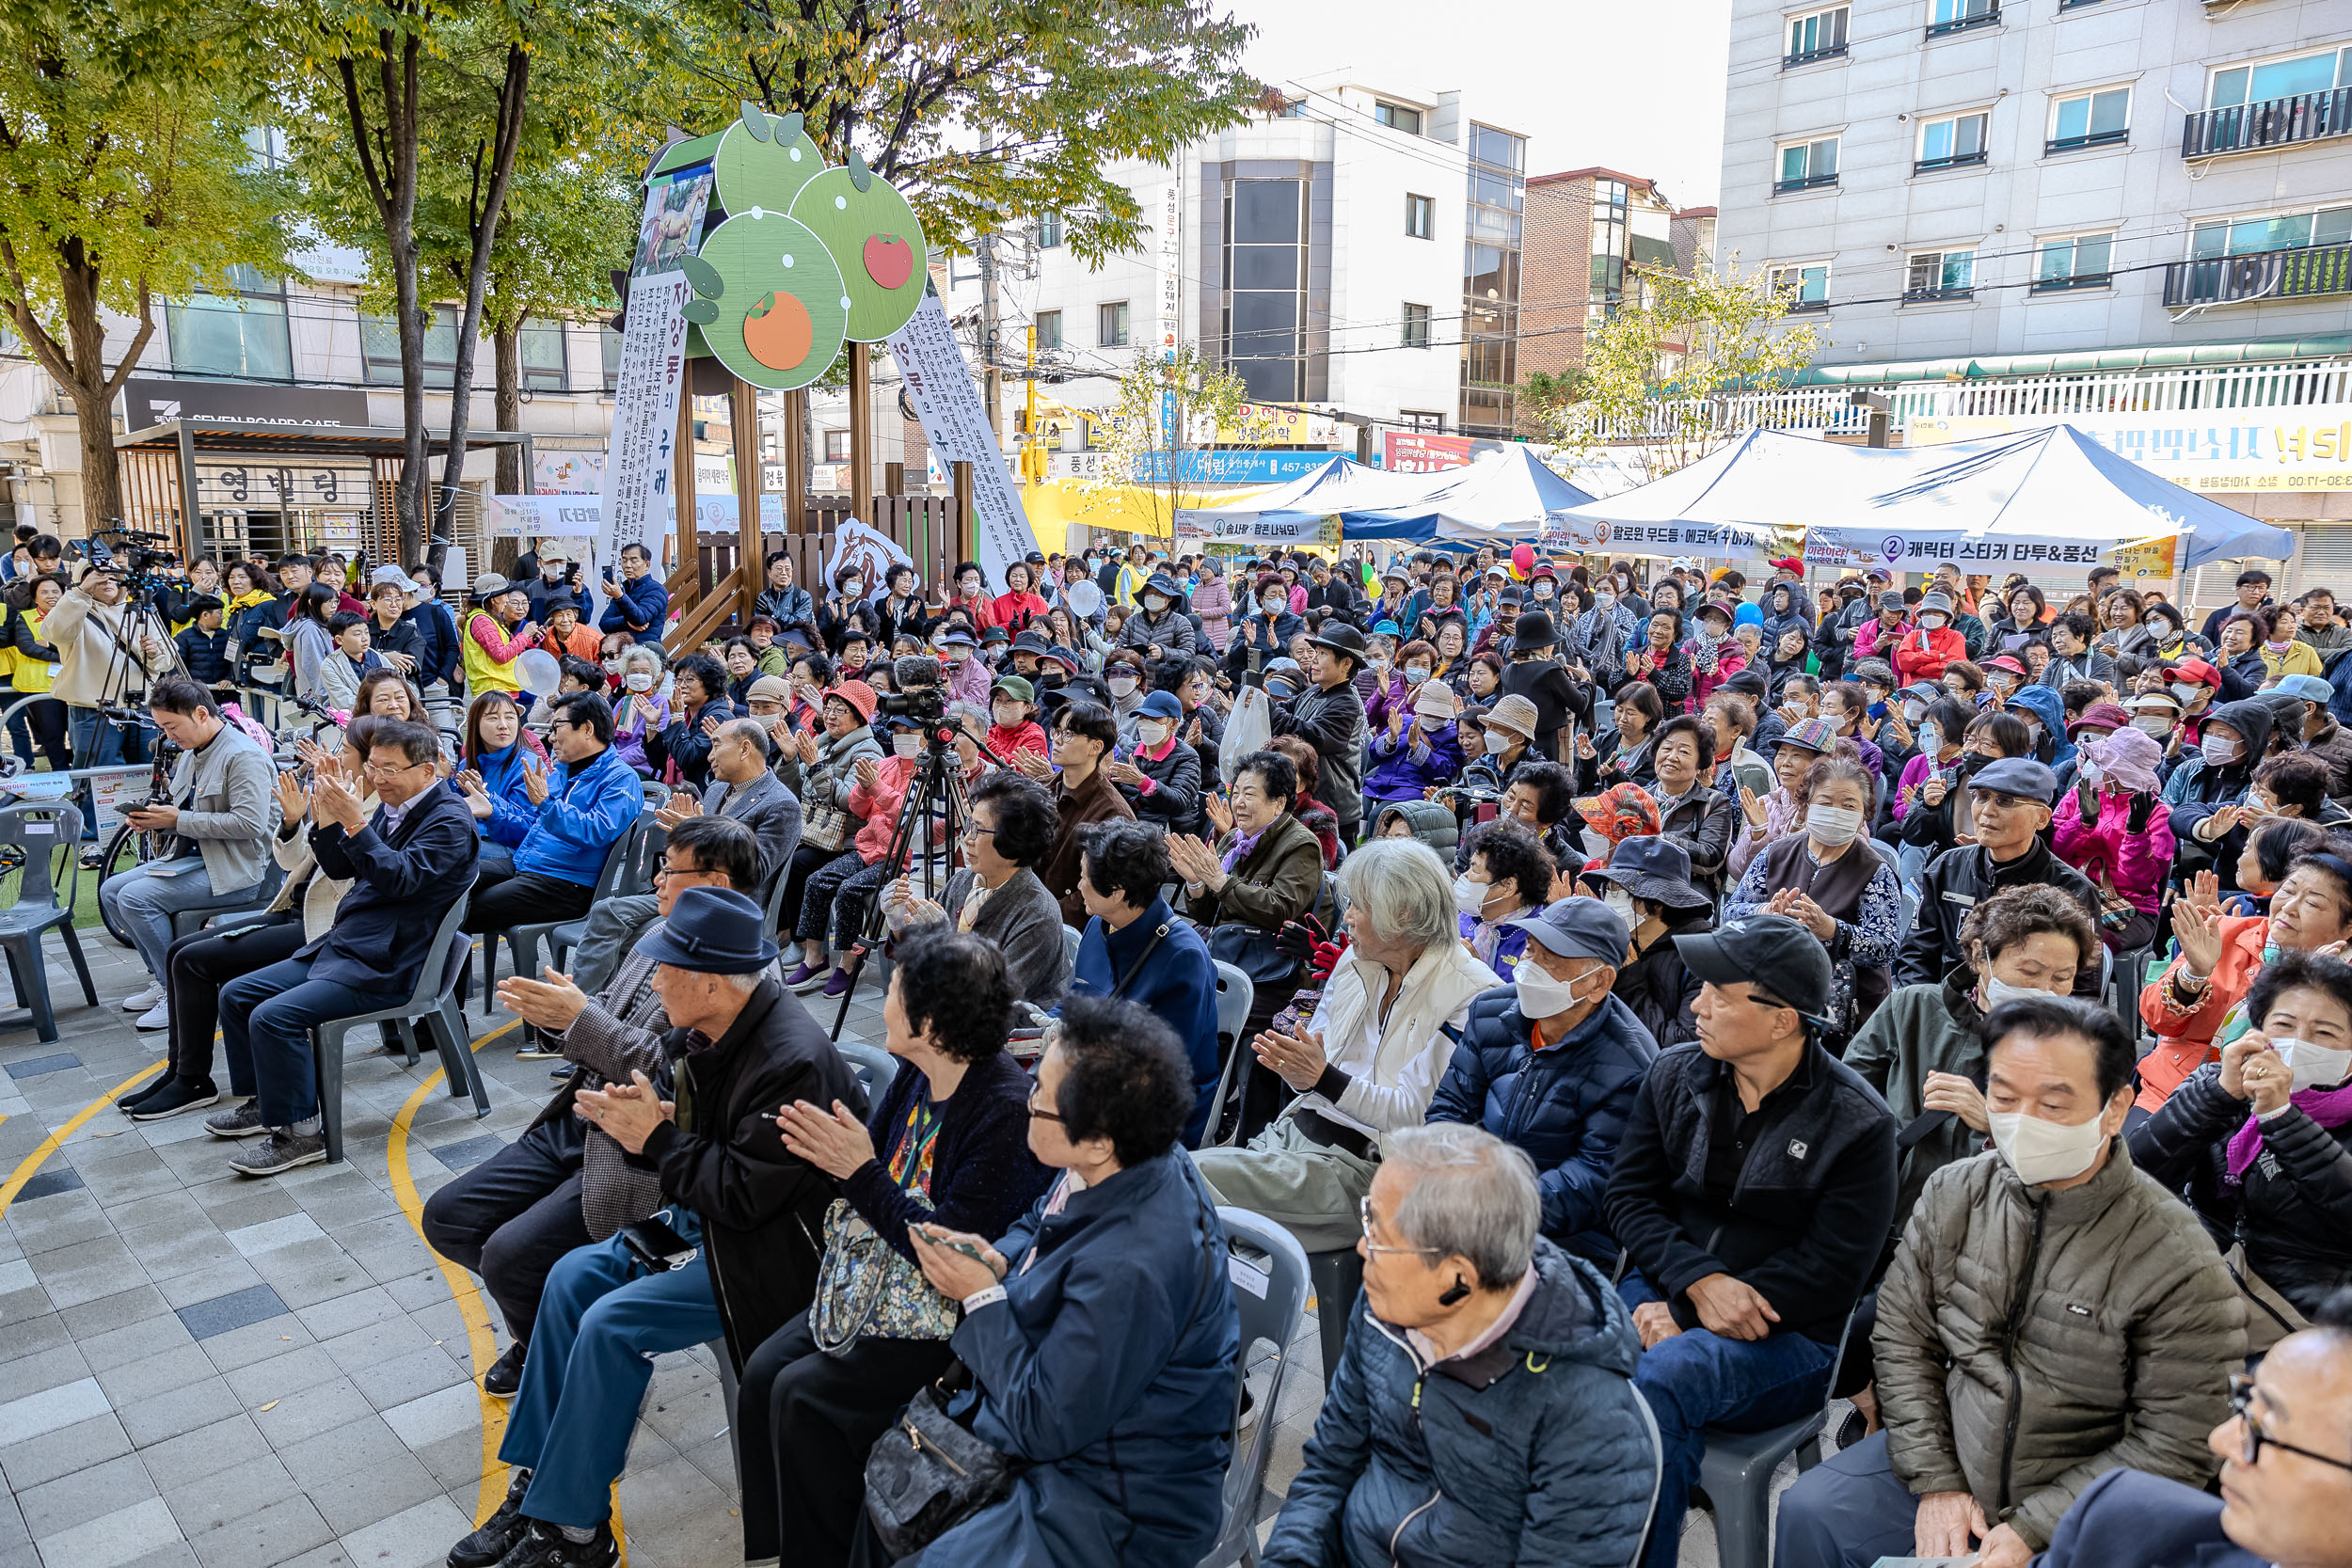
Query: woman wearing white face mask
x,y
1922,1051
1124,675
1265,633
1159,626
638,708
2206,789
1646,883
1509,877
1831,882
1161,777
2261,1142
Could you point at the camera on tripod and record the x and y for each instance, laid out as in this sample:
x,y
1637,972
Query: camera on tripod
x,y
138,557
925,705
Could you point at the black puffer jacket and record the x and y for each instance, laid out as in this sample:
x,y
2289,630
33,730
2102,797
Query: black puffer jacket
x,y
1565,1105
1961,879
2293,1210
1660,990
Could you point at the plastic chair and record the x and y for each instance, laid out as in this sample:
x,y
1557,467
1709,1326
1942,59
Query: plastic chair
x,y
1071,938
433,1004
653,841
186,920
1235,995
35,832
1658,1473
1271,1300
656,793
1338,1278
522,941
1736,1473
876,1067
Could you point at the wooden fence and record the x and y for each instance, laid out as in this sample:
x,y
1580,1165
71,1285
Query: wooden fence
x,y
715,591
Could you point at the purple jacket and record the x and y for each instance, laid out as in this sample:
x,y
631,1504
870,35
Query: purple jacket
x,y
1403,769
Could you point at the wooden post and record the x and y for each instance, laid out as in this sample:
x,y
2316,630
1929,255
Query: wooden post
x,y
682,484
966,537
862,432
893,479
796,462
751,544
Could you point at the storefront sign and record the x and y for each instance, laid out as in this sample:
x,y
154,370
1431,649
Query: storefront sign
x,y
567,473
148,403
2207,449
939,385
1227,468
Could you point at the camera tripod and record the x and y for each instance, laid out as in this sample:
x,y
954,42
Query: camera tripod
x,y
939,784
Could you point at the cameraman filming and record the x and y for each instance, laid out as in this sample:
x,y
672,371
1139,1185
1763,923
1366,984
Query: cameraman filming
x,y
107,653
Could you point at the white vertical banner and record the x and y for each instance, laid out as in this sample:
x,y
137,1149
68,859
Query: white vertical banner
x,y
954,423
1172,268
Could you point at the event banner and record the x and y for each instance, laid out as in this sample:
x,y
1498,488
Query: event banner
x,y
1569,531
1857,549
954,423
652,374
1203,526
2207,449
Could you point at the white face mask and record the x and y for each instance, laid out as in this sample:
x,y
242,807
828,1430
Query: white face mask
x,y
1542,590
2090,773
2184,692
1498,742
1156,602
852,589
1416,674
1150,732
1833,824
1915,711
1998,990
1469,897
1120,685
1931,621
1272,604
907,745
2314,1067
638,680
2042,1151
1008,716
1539,994
2220,751
2156,725
2002,682
1620,903
1604,602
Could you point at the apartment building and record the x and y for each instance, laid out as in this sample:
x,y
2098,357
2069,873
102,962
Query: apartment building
x,y
1585,230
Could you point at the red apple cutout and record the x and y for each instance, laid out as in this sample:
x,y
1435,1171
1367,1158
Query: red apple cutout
x,y
889,260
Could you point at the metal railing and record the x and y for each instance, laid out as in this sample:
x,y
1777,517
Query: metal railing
x,y
2272,122
2265,274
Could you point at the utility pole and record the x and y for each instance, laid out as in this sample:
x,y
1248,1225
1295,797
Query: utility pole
x,y
992,382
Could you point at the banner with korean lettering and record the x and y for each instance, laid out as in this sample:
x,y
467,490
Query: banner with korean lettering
x,y
1855,549
1565,533
2207,449
939,383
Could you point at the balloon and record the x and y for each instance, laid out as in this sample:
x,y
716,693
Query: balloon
x,y
538,672
1085,599
1523,557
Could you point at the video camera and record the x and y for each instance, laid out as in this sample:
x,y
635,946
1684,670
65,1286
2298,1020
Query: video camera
x,y
137,558
925,705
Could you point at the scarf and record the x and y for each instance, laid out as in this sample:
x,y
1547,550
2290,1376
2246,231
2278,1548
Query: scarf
x,y
1244,846
2331,1108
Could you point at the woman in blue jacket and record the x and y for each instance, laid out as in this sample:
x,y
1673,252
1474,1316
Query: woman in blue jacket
x,y
1101,1330
1476,1417
491,783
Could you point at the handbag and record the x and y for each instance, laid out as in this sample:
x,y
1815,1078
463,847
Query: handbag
x,y
1251,950
929,1472
865,1286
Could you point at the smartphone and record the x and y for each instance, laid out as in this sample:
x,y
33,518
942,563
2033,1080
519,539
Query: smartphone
x,y
656,1246
965,1247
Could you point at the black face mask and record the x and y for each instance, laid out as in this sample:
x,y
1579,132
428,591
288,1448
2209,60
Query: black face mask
x,y
1052,678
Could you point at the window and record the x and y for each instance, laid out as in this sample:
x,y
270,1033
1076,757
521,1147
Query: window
x,y
2089,120
2329,225
609,347
1420,219
837,446
1821,36
1806,165
541,341
1265,306
1805,284
1110,323
2074,262
1396,116
379,346
1953,142
1420,419
1048,231
1048,330
1952,16
1416,326
1941,275
242,333
1504,150
2320,71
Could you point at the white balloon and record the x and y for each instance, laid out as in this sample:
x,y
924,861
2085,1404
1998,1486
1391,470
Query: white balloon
x,y
538,672
1085,599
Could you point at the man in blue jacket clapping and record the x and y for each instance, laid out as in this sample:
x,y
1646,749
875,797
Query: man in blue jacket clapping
x,y
586,801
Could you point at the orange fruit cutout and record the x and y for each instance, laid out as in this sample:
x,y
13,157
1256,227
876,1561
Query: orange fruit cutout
x,y
778,331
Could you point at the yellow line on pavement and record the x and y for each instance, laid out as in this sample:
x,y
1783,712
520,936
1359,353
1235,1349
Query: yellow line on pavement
x,y
30,1166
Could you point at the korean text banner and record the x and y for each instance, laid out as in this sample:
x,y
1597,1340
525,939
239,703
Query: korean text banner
x,y
2208,449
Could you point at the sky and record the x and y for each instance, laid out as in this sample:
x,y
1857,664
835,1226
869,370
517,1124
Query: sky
x,y
1653,106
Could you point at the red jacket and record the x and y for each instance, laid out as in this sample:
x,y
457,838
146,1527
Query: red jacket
x,y
1013,611
1922,654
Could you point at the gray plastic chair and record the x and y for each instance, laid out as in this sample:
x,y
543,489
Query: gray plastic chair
x,y
522,941
1269,1313
1657,1467
876,1067
653,841
1737,1475
1235,996
1338,1279
1071,938
433,1004
36,831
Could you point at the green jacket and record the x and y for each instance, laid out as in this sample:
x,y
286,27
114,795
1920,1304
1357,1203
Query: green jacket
x,y
2028,1340
1920,1030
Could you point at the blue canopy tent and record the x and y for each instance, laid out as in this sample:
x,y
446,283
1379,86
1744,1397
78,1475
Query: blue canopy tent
x,y
1293,512
1500,500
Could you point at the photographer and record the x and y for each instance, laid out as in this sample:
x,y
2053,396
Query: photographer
x,y
106,650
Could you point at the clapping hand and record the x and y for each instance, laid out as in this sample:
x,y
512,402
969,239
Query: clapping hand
x,y
2217,826
804,743
836,1143
477,799
293,803
1221,812
333,801
1122,772
550,1004
1798,906
1752,805
2198,929
628,1112
710,726
681,806
918,912
1296,1059
1034,765
1196,863
535,781
868,772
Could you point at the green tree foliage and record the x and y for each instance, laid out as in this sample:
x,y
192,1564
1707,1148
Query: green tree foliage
x,y
983,112
124,180
1168,411
1658,370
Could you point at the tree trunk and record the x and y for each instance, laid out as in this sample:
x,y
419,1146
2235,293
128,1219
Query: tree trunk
x,y
79,365
507,138
506,404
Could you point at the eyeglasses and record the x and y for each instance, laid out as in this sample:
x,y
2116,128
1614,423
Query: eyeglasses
x,y
2242,1405
1363,1212
378,770
1036,1115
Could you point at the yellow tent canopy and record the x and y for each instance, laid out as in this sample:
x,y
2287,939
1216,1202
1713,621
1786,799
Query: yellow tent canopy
x,y
1059,504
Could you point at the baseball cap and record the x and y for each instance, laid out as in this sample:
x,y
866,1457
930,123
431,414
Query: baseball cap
x,y
1015,687
1578,928
394,576
2309,689
1783,959
2020,776
1159,704
2195,670
1891,601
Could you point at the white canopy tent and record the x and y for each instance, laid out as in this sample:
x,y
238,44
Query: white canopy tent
x,y
1293,511
1503,496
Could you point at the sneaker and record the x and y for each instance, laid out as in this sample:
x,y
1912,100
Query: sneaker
x,y
176,1096
157,1017
506,1374
805,979
132,1100
238,1121
544,1547
138,1002
837,985
498,1532
279,1152
537,1048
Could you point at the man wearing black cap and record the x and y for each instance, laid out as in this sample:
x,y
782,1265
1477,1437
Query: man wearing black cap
x,y
1329,715
744,1208
2009,805
1504,630
1753,1186
1551,1062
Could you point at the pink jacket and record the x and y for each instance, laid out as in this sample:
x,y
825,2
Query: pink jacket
x,y
1213,603
1866,641
879,805
2108,853
1729,661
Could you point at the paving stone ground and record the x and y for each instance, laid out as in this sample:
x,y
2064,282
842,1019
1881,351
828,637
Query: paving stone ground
x,y
198,1368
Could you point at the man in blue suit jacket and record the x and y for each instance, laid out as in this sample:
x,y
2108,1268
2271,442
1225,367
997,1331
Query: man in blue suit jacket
x,y
413,860
1136,949
640,605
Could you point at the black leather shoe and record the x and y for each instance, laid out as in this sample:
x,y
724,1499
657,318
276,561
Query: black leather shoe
x,y
506,1374
544,1547
499,1533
